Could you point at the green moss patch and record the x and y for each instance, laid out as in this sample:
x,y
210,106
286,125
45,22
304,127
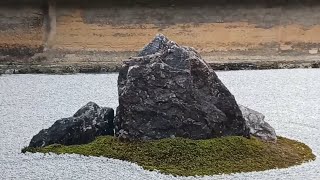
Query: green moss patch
x,y
185,157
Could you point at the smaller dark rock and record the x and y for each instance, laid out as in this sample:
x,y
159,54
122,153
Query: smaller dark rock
x,y
87,123
258,127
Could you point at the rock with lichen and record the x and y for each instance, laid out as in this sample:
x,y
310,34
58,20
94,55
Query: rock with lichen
x,y
83,127
257,125
170,91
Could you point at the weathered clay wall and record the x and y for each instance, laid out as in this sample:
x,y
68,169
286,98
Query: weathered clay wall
x,y
96,35
208,28
259,27
21,30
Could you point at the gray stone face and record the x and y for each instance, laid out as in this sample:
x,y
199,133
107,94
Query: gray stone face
x,y
87,123
258,127
170,91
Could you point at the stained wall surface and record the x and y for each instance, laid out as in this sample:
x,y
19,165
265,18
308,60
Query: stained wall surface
x,y
21,30
208,27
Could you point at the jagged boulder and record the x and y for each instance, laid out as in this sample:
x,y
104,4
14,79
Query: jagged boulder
x,y
170,91
87,123
258,127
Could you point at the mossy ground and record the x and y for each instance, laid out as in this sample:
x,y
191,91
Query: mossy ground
x,y
187,157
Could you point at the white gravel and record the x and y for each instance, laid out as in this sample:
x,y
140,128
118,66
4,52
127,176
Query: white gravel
x,y
290,99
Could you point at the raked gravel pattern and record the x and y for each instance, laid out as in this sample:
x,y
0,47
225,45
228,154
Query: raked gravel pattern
x,y
290,99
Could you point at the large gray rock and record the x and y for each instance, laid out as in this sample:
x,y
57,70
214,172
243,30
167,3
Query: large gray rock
x,y
170,91
87,123
258,127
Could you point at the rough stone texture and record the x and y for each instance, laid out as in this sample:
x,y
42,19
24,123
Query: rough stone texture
x,y
87,123
169,91
258,127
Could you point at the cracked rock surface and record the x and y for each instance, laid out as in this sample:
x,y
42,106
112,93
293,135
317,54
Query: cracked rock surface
x,y
170,91
258,127
87,123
